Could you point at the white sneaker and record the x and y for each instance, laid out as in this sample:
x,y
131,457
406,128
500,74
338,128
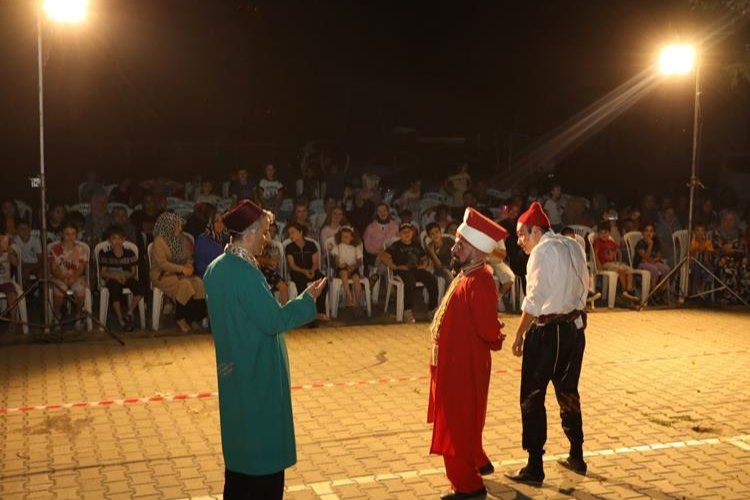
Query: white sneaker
x,y
409,317
629,296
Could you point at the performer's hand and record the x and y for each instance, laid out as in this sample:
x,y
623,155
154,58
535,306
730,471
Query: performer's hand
x,y
316,287
518,345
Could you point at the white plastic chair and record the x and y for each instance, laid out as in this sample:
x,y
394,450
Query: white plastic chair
x,y
24,210
84,208
393,281
581,230
336,286
631,239
112,205
157,299
680,246
645,276
609,292
23,314
87,299
105,246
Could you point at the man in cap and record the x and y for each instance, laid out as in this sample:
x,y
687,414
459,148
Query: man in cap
x,y
550,337
464,331
408,260
248,325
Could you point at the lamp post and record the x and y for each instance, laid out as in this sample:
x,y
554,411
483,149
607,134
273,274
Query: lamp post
x,y
66,11
681,60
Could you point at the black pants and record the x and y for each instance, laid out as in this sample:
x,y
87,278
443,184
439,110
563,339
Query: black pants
x,y
411,294
239,486
115,289
552,352
194,310
301,281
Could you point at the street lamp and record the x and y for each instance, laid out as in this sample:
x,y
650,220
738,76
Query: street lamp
x,y
675,60
68,11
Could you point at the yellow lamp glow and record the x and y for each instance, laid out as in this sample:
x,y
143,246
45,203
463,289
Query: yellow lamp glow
x,y
66,11
677,59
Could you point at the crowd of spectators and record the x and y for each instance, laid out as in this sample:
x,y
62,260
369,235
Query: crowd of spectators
x,y
350,228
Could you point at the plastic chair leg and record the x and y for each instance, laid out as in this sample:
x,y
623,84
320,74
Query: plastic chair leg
x,y
103,306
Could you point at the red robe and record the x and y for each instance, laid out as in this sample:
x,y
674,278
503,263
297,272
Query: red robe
x,y
459,383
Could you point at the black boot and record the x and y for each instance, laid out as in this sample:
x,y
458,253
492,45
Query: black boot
x,y
575,461
533,473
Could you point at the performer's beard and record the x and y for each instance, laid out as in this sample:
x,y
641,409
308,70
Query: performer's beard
x,y
456,265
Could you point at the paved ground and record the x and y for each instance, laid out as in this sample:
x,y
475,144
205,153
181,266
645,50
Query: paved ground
x,y
666,398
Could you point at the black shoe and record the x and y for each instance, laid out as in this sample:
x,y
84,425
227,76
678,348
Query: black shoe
x,y
129,323
527,476
576,465
457,495
487,469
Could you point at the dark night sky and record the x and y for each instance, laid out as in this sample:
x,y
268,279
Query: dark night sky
x,y
142,74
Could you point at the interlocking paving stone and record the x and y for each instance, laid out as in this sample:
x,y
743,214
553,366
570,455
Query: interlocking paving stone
x,y
665,394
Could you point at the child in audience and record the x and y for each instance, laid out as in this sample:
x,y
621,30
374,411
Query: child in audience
x,y
8,260
270,190
439,251
68,263
347,254
30,249
207,195
609,258
702,249
119,270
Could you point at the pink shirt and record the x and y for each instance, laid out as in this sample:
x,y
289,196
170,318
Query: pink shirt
x,y
376,234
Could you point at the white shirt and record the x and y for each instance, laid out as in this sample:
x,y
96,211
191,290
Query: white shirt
x,y
556,277
347,254
30,250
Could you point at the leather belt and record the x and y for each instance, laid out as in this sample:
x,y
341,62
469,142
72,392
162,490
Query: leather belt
x,y
550,319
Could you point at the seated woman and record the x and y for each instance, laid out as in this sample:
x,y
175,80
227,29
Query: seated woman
x,y
210,244
332,224
303,259
10,288
732,263
172,271
647,255
68,263
270,265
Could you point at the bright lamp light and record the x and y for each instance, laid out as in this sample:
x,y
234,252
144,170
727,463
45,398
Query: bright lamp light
x,y
677,59
66,11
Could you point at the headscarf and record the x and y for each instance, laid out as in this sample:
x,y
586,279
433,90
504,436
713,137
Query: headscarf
x,y
165,226
221,238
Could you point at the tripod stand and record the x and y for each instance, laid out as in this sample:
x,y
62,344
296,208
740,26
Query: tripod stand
x,y
684,264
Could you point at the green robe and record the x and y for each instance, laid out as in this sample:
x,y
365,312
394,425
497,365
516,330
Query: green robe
x,y
255,402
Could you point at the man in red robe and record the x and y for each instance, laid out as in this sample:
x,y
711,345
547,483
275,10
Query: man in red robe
x,y
464,331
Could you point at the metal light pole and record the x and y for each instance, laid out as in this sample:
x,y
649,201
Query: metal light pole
x,y
42,177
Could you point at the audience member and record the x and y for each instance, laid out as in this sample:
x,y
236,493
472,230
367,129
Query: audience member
x,y
30,249
123,193
120,219
149,207
90,187
439,251
706,215
303,261
457,184
665,227
498,261
9,217
320,218
8,260
270,261
309,184
360,213
172,271
377,233
56,215
68,264
702,250
609,258
198,220
301,216
207,194
98,220
555,206
118,267
331,225
731,258
409,199
347,255
648,255
242,188
210,244
408,261
270,190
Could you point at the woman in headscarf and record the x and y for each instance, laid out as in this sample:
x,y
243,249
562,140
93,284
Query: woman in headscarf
x,y
211,243
172,271
731,257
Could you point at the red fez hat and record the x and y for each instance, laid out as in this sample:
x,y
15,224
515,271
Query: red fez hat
x,y
242,216
483,233
535,216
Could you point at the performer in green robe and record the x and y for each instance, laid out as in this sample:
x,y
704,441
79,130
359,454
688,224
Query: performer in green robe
x,y
248,324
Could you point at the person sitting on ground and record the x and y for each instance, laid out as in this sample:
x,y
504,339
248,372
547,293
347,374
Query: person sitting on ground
x,y
347,254
647,255
332,224
303,261
68,264
242,188
172,271
30,248
269,261
210,244
609,258
8,260
409,262
439,251
118,267
270,189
